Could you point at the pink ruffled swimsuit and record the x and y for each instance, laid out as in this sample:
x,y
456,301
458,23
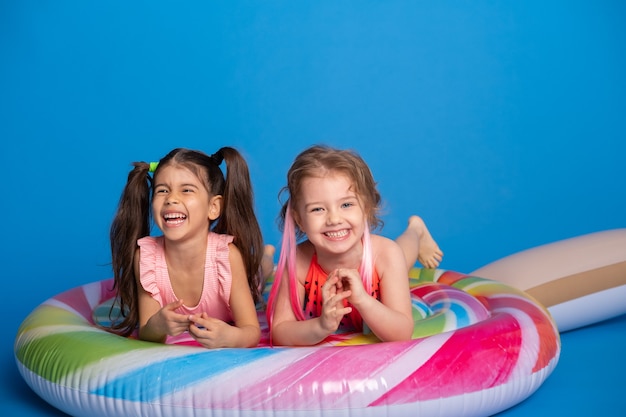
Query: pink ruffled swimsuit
x,y
315,279
154,278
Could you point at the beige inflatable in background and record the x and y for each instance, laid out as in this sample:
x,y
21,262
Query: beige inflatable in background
x,y
581,280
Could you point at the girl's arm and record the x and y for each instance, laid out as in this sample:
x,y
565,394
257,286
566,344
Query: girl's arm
x,y
390,319
246,332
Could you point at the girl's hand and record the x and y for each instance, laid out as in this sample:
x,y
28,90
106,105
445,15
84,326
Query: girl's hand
x,y
168,321
210,332
333,309
349,280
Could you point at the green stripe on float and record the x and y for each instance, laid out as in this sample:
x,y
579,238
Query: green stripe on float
x,y
54,356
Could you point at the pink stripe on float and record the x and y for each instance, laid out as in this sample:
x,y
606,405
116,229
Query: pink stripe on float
x,y
79,300
332,377
473,359
76,299
106,290
548,336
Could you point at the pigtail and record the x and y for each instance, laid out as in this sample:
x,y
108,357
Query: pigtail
x,y
238,216
131,222
365,269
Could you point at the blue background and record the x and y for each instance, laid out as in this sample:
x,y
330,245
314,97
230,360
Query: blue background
x,y
501,123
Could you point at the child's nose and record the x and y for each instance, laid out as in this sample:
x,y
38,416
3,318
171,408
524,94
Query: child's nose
x,y
333,218
171,199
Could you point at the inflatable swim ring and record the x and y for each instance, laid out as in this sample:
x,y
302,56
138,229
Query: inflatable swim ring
x,y
581,280
480,346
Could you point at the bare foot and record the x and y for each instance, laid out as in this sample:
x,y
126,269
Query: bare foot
x,y
429,254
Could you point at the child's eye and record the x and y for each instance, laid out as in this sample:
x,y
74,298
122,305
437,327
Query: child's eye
x,y
347,205
160,191
316,209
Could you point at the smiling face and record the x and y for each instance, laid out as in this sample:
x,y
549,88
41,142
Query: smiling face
x,y
331,215
181,205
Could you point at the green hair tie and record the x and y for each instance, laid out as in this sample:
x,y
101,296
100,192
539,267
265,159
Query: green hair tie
x,y
153,166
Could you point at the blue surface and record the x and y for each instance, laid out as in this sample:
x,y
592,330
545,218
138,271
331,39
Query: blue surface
x,y
501,123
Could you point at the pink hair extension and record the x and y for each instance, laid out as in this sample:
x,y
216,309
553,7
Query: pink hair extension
x,y
287,257
365,269
290,251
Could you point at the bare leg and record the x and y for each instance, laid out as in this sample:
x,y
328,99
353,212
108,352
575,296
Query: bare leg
x,y
267,263
418,245
267,268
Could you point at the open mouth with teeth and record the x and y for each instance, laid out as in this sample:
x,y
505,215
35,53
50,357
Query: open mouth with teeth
x,y
174,218
338,234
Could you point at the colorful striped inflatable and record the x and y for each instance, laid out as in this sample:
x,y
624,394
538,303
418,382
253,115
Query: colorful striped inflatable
x,y
480,346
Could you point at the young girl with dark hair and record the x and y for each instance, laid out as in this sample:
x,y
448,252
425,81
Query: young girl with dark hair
x,y
198,281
